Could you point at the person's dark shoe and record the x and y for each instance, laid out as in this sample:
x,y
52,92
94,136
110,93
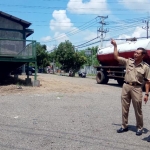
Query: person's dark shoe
x,y
121,130
148,139
139,132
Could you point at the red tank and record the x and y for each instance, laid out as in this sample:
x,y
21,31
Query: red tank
x,y
126,50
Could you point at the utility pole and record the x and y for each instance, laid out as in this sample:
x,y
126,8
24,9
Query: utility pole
x,y
55,47
147,26
101,29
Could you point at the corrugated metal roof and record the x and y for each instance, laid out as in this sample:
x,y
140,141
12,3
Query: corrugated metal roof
x,y
26,24
29,32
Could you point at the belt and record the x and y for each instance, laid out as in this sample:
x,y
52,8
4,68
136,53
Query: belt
x,y
133,83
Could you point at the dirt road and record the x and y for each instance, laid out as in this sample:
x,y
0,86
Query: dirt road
x,y
54,83
67,113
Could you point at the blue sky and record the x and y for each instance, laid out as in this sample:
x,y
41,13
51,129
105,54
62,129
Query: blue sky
x,y
55,21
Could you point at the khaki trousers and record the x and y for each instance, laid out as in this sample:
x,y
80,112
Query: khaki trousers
x,y
135,93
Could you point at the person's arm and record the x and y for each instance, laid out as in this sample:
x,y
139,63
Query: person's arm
x,y
147,84
121,60
116,55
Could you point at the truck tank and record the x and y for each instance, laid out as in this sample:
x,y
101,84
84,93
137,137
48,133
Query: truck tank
x,y
106,58
109,67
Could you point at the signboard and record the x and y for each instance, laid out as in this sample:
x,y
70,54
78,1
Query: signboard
x,y
88,52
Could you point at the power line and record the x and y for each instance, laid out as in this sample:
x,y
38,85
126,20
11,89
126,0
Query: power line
x,y
122,27
101,29
113,23
97,2
72,32
97,37
147,26
87,42
108,40
99,41
52,7
72,14
87,25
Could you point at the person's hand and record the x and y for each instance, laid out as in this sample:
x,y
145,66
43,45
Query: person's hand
x,y
145,99
113,42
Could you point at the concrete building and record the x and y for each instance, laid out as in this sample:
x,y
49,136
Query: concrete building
x,y
15,50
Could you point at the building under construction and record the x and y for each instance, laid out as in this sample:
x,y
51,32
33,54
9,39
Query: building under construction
x,y
15,50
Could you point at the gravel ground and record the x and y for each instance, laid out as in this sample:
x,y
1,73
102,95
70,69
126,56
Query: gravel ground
x,y
67,113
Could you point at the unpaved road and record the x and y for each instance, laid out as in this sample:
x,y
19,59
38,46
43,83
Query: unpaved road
x,y
67,113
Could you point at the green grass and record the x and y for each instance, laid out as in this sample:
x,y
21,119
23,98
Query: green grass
x,y
91,74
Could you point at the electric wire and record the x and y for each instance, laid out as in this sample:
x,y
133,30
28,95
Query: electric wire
x,y
116,29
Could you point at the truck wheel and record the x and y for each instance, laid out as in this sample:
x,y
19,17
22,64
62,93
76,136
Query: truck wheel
x,y
120,81
101,78
106,80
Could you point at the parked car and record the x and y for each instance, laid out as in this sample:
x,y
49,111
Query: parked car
x,y
40,70
30,70
17,71
82,74
70,73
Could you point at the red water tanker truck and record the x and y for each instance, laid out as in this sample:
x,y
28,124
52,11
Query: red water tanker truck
x,y
109,67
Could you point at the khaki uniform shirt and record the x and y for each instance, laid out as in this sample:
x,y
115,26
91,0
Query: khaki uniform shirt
x,y
135,73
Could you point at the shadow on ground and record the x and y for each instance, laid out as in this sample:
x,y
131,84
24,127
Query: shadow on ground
x,y
132,128
114,84
11,80
146,139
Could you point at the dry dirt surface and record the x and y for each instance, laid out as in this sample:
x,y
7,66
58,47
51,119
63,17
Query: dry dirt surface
x,y
66,113
50,83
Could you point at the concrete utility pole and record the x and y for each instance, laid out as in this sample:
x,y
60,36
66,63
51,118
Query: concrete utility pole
x,y
147,26
101,29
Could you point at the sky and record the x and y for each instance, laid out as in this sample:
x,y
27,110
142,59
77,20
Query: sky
x,y
78,21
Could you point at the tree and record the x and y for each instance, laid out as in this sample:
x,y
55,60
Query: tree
x,y
68,58
52,55
42,56
92,59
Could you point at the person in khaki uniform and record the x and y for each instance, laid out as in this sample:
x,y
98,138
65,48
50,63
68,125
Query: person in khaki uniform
x,y
136,72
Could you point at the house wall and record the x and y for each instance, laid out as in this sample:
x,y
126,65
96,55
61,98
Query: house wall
x,y
8,47
9,24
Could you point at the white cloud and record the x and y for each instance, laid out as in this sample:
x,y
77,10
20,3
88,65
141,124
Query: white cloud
x,y
136,4
137,32
60,37
60,22
88,35
90,7
49,48
45,39
123,36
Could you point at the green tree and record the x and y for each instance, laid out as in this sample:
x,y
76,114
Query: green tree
x,y
68,58
92,59
53,58
52,55
42,56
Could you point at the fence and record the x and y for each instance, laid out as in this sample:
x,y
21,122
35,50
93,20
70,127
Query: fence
x,y
89,70
17,48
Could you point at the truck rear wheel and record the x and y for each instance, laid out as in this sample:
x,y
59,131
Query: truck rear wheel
x,y
120,81
101,78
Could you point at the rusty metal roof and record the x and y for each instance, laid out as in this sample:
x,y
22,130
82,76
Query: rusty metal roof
x,y
26,24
